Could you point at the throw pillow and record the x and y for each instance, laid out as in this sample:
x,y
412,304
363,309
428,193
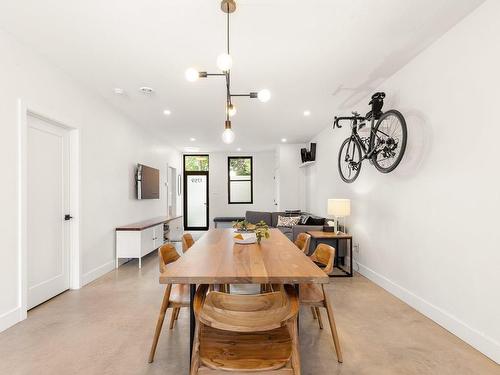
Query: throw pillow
x,y
287,221
315,221
303,219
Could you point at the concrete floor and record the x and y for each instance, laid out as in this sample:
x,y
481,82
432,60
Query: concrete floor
x,y
107,327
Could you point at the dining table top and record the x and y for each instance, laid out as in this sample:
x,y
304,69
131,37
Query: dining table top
x,y
216,259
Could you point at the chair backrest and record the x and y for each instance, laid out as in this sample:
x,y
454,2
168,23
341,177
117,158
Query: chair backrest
x,y
302,242
167,254
187,242
325,255
246,313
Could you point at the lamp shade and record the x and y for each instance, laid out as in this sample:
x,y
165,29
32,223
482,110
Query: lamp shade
x,y
339,207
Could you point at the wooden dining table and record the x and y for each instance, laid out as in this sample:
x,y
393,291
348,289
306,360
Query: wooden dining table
x,y
216,259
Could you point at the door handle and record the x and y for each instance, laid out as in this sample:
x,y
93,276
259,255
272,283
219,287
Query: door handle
x,y
68,217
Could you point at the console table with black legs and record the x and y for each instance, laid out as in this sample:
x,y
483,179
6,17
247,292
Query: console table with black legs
x,y
333,239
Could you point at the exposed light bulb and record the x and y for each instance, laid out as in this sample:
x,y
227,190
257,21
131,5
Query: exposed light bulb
x,y
307,113
228,136
192,75
283,140
264,95
167,112
224,62
231,110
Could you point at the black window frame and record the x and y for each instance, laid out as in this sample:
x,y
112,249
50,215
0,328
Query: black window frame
x,y
229,158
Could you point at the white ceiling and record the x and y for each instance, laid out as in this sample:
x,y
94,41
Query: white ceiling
x,y
317,55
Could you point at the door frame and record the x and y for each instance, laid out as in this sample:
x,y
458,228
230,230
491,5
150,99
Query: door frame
x,y
25,110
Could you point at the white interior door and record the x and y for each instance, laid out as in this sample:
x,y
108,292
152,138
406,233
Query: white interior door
x,y
196,190
47,204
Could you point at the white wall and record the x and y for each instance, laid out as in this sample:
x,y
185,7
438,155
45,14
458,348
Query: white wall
x,y
291,179
263,184
110,146
428,232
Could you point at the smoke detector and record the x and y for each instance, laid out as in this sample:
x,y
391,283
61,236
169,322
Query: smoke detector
x,y
146,90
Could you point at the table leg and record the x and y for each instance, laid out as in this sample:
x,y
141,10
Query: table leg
x,y
350,257
192,321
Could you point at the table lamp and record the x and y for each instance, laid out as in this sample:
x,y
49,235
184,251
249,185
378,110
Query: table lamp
x,y
340,208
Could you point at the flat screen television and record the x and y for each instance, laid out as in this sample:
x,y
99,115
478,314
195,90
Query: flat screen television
x,y
148,182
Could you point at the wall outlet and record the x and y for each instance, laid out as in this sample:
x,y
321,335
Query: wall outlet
x,y
356,248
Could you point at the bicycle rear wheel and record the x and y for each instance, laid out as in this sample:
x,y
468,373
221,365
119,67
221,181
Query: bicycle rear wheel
x,y
349,161
390,141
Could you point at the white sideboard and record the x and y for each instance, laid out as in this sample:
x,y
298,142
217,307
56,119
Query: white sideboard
x,y
139,239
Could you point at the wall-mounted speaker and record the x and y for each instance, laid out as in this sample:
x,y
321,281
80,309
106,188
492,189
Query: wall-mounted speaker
x,y
310,155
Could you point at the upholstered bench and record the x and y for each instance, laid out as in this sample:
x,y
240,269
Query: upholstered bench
x,y
227,219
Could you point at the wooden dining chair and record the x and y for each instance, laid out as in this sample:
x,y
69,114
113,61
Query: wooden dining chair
x,y
246,333
175,296
302,242
316,297
187,241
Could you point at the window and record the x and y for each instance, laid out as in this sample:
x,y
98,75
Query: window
x,y
195,163
240,179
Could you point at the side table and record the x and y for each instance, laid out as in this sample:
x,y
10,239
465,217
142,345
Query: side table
x,y
333,239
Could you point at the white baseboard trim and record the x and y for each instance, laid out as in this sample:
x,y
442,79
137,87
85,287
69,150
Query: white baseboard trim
x,y
473,337
97,272
9,318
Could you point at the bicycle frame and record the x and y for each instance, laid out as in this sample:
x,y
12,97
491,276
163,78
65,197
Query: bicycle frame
x,y
367,152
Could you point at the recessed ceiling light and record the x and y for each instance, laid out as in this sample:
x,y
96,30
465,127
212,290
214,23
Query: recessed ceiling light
x,y
238,149
283,140
147,90
192,139
119,91
167,112
191,149
307,113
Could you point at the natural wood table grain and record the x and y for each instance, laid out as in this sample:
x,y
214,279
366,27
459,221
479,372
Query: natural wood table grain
x,y
216,259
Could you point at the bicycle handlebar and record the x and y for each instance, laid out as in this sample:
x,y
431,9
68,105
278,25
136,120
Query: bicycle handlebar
x,y
344,118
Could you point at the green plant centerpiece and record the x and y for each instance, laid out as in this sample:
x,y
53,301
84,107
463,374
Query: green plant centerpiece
x,y
261,231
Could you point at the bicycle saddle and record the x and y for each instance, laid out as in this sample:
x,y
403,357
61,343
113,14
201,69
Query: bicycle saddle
x,y
377,103
378,95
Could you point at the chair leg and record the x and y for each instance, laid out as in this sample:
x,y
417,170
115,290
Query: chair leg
x,y
295,358
195,357
320,320
313,311
333,327
172,317
177,315
159,323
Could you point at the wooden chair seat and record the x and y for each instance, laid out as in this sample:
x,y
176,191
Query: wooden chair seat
x,y
245,351
179,295
248,313
204,370
311,294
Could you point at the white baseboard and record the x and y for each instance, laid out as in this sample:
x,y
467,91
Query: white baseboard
x,y
97,272
9,318
473,337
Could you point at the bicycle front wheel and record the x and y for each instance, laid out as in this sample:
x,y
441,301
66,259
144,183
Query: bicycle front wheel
x,y
349,162
390,141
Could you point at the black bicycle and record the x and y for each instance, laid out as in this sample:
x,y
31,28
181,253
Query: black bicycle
x,y
385,145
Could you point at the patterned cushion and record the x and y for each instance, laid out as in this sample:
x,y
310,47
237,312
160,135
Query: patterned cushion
x,y
287,221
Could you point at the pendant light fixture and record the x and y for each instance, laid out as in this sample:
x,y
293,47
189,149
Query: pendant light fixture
x,y
224,63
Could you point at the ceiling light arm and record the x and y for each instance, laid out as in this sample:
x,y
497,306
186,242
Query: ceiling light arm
x,y
205,74
252,95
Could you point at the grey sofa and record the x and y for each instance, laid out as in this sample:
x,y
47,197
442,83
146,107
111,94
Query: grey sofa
x,y
271,219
